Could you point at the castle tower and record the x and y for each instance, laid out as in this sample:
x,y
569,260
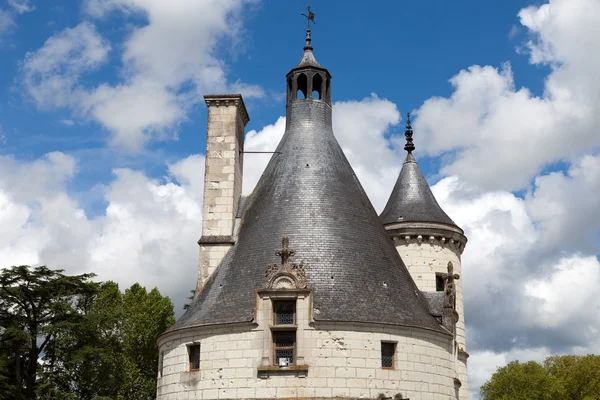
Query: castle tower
x,y
427,240
311,299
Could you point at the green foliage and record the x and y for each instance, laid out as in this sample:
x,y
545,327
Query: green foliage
x,y
561,377
34,304
98,343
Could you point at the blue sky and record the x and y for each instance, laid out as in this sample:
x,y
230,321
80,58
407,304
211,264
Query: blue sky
x,y
402,51
102,135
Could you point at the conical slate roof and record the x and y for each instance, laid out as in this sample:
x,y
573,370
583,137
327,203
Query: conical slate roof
x,y
309,193
412,200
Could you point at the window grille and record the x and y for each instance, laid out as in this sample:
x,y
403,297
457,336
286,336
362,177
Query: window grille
x,y
194,355
388,351
285,312
284,344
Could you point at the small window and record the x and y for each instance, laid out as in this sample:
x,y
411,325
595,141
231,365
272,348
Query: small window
x,y
284,313
439,283
284,346
388,353
161,361
194,357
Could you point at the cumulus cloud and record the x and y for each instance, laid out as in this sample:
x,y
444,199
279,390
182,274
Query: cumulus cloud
x,y
51,74
146,234
21,6
6,23
489,127
167,64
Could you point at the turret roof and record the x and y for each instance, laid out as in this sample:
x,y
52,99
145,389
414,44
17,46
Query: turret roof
x,y
411,199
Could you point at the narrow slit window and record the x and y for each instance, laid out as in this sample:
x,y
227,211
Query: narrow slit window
x,y
284,346
439,283
388,353
161,362
284,313
194,357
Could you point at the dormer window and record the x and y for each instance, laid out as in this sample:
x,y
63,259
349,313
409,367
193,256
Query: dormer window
x,y
284,333
284,312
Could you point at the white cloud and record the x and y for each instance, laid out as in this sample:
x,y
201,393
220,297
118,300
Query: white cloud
x,y
7,23
8,16
21,6
494,129
147,233
166,65
51,74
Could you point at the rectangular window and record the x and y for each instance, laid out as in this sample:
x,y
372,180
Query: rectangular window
x,y
161,362
284,313
194,357
388,353
284,346
439,283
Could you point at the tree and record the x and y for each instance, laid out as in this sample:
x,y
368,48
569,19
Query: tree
x,y
87,340
114,354
34,304
516,381
561,377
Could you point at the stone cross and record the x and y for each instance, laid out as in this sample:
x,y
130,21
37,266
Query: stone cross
x,y
285,253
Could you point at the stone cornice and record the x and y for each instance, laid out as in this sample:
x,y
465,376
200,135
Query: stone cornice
x,y
216,240
431,235
217,100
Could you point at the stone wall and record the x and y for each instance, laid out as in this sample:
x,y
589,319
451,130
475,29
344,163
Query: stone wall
x,y
227,118
344,360
424,258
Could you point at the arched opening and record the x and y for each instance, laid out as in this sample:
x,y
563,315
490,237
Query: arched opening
x,y
302,86
317,87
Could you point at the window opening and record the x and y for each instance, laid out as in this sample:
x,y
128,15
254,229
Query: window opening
x,y
317,83
161,363
194,357
284,346
285,312
439,283
302,86
388,351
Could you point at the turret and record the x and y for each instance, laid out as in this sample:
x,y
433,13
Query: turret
x,y
428,240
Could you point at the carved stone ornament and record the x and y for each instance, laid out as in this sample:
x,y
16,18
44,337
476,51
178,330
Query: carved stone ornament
x,y
449,314
450,277
287,276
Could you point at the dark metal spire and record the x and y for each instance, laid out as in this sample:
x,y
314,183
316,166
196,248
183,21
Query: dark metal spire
x,y
409,146
309,17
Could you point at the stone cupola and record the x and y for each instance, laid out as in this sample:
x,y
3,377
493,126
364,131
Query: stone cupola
x,y
308,79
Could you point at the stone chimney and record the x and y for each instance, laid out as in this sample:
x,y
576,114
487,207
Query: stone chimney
x,y
227,118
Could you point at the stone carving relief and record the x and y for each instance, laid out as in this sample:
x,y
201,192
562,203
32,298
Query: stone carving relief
x,y
287,276
449,314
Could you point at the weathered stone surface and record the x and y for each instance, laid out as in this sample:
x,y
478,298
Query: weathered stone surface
x,y
227,117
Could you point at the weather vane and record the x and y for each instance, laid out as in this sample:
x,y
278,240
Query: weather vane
x,y
309,17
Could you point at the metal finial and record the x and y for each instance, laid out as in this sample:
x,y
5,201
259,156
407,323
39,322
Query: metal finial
x,y
409,146
309,17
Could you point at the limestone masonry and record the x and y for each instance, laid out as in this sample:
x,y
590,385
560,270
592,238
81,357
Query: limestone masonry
x,y
303,290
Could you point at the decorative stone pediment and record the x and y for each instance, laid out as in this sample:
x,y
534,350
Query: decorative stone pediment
x,y
285,276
